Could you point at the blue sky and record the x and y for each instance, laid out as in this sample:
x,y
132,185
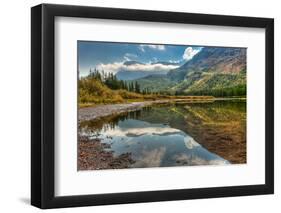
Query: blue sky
x,y
111,56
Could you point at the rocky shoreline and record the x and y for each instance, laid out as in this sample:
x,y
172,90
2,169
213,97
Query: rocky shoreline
x,y
226,139
97,112
95,155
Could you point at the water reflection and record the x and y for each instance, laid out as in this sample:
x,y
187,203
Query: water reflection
x,y
220,127
175,134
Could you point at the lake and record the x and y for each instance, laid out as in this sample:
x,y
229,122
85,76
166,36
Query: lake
x,y
164,135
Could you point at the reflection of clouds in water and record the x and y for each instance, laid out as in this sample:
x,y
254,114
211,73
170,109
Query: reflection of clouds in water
x,y
155,145
190,143
135,132
194,160
151,158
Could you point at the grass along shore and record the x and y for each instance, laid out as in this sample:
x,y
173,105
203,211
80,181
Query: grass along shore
x,y
94,92
94,111
142,98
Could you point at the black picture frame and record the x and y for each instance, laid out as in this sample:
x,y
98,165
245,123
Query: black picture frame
x,y
43,102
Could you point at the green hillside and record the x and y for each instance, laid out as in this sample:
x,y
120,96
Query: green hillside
x,y
156,83
210,83
213,71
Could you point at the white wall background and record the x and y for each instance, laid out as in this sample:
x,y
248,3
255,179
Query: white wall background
x,y
15,105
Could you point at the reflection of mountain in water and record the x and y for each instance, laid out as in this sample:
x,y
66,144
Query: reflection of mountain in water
x,y
177,133
219,127
156,145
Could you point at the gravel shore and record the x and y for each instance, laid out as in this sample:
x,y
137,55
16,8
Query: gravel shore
x,y
96,112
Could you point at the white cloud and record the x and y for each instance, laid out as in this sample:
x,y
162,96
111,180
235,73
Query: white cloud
x,y
117,66
151,158
130,56
127,58
141,48
175,61
193,159
190,143
136,132
190,52
151,46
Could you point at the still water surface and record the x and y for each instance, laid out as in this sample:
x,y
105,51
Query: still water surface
x,y
176,134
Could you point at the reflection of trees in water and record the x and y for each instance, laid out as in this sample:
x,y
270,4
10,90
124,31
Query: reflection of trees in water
x,y
94,127
137,114
235,105
220,127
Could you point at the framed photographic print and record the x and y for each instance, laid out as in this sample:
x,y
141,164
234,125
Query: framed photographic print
x,y
139,106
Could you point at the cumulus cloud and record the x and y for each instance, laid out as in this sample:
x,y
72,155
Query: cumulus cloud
x,y
151,46
118,66
190,52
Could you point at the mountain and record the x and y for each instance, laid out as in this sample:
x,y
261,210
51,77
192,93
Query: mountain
x,y
213,71
210,59
156,83
130,73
